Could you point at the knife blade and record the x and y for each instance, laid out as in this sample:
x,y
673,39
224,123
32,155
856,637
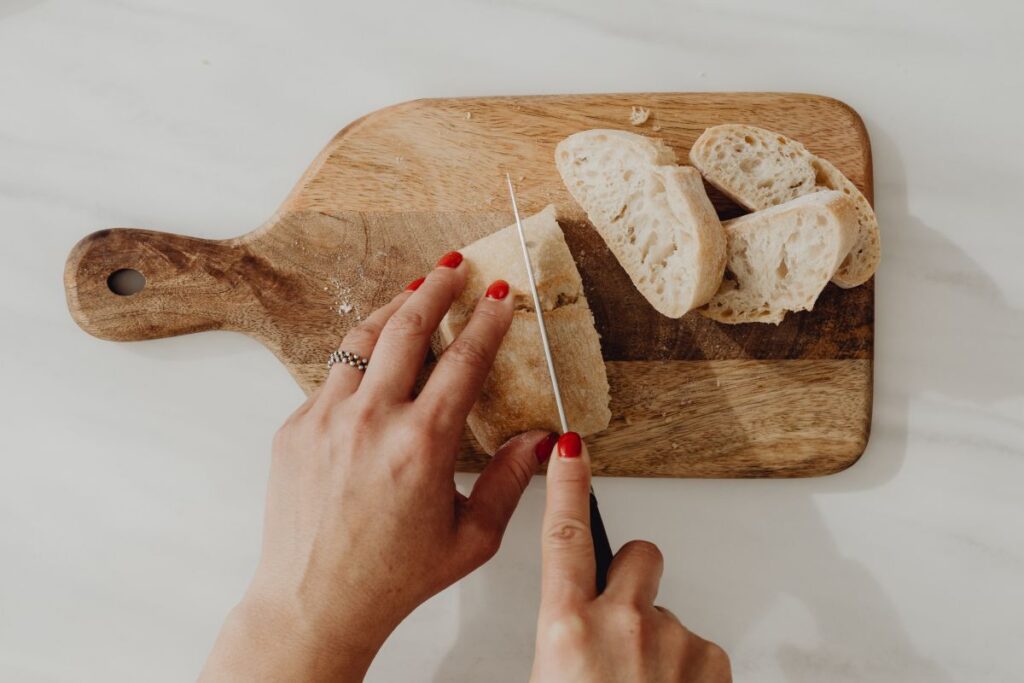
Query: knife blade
x,y
602,547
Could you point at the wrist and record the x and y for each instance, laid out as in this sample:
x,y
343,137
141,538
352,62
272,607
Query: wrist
x,y
266,637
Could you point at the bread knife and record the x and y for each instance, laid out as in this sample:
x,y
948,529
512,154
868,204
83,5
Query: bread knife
x,y
602,548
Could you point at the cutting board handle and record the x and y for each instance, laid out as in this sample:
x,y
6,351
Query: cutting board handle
x,y
189,284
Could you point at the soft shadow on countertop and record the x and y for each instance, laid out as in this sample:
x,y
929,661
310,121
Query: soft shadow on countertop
x,y
740,547
10,7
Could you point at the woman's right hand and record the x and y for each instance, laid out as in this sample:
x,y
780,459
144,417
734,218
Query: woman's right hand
x,y
619,635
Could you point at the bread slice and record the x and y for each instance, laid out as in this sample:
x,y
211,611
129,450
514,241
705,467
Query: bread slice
x,y
760,169
517,394
781,258
654,216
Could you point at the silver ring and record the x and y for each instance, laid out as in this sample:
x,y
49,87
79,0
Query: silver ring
x,y
348,358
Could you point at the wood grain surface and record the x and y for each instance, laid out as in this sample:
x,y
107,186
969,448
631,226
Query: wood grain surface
x,y
399,187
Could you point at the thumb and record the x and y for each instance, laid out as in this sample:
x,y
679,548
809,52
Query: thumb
x,y
499,487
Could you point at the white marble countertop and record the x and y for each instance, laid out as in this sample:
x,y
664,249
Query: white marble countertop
x,y
132,476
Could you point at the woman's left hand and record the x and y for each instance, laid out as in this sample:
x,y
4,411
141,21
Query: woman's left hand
x,y
363,521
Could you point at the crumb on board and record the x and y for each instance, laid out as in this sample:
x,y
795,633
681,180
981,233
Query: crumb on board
x,y
345,308
399,159
655,128
469,115
638,115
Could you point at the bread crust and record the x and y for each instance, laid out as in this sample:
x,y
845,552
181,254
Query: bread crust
x,y
759,168
773,268
517,394
654,216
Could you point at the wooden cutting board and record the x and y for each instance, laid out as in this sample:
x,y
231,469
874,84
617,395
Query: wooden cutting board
x,y
401,186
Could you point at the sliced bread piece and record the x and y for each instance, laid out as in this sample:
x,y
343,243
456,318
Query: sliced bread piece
x,y
759,169
654,216
781,258
517,394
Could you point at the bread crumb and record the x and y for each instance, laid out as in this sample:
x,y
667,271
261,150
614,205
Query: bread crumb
x,y
638,115
655,128
628,420
675,445
345,308
399,160
469,115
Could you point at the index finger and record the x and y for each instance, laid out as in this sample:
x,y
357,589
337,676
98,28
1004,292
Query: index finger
x,y
567,550
455,384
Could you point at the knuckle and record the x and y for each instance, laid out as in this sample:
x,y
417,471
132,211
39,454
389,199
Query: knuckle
x,y
362,336
519,471
717,656
480,539
567,532
644,550
574,476
490,315
629,620
429,422
357,421
444,279
567,631
416,437
408,323
468,352
488,544
282,437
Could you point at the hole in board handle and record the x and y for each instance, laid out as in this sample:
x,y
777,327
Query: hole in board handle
x,y
126,281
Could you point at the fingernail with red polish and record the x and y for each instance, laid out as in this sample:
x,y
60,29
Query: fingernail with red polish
x,y
498,290
415,284
450,260
544,447
569,445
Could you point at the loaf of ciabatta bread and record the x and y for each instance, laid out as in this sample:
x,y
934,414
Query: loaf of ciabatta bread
x,y
781,258
760,169
654,216
517,394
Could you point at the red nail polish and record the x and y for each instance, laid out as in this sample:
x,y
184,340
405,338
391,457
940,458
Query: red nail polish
x,y
498,290
544,447
450,260
415,284
569,445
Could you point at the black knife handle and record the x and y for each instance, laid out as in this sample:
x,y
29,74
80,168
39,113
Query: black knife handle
x,y
602,548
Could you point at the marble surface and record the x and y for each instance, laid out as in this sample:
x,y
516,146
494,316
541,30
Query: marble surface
x,y
132,476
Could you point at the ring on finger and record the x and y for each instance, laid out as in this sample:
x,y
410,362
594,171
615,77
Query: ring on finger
x,y
349,358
